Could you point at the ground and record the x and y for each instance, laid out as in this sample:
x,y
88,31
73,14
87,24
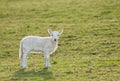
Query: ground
x,y
88,50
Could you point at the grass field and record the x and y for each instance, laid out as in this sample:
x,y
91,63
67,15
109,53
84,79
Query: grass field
x,y
89,48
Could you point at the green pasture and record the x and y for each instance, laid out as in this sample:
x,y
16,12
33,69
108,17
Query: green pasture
x,y
88,50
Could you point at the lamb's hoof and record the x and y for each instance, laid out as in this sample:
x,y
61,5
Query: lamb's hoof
x,y
47,66
23,67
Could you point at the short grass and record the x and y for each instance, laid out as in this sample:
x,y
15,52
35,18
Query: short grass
x,y
89,48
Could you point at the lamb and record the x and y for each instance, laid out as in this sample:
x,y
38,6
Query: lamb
x,y
46,45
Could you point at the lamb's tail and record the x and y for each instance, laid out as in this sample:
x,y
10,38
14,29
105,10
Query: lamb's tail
x,y
21,50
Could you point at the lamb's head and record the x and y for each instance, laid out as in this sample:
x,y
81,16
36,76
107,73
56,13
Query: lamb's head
x,y
55,34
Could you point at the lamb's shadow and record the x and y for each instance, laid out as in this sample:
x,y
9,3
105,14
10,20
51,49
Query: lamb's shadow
x,y
44,74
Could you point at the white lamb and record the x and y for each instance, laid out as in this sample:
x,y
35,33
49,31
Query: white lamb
x,y
46,45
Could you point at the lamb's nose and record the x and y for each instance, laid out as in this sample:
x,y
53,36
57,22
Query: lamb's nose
x,y
55,40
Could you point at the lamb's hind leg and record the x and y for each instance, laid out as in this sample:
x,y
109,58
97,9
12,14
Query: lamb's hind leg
x,y
24,60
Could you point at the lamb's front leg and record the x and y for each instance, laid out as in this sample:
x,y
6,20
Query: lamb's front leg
x,y
47,59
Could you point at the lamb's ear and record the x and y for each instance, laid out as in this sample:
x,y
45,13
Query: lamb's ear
x,y
60,32
49,31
